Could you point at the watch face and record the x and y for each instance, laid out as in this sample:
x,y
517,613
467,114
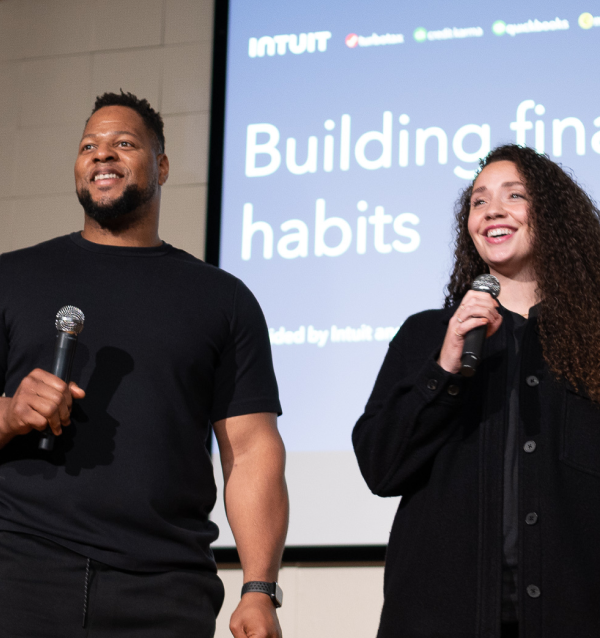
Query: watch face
x,y
278,595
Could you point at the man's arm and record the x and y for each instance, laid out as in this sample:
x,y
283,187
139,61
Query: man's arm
x,y
256,500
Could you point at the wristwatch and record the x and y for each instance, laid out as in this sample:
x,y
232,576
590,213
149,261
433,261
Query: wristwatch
x,y
273,590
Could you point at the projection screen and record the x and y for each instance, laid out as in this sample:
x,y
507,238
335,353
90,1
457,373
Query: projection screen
x,y
350,130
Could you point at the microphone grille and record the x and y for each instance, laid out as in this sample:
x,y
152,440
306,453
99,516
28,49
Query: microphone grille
x,y
69,319
487,283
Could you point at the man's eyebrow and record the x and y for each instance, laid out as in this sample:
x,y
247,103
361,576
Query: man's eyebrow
x,y
112,133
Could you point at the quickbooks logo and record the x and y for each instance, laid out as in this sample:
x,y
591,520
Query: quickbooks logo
x,y
587,21
294,43
531,26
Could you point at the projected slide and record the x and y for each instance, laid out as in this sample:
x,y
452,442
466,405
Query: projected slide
x,y
350,130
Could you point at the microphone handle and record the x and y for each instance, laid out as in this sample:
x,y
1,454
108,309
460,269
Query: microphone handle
x,y
61,367
472,347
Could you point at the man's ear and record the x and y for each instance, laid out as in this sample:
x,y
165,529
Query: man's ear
x,y
163,169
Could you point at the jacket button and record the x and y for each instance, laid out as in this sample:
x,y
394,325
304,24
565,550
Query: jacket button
x,y
532,381
533,591
432,384
529,446
531,518
453,390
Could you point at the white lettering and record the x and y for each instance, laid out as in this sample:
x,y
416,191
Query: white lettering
x,y
410,233
297,43
322,225
252,47
249,228
322,37
471,129
537,26
521,125
253,148
328,147
386,334
345,143
281,42
558,126
361,235
348,334
484,133
379,40
403,148
318,337
423,135
384,138
265,44
300,237
287,337
310,166
595,142
379,220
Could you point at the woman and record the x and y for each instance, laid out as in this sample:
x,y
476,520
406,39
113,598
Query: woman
x,y
498,530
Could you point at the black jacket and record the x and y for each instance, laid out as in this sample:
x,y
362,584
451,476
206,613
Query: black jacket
x,y
438,440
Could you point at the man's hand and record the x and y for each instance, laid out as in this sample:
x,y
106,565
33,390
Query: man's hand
x,y
255,617
41,400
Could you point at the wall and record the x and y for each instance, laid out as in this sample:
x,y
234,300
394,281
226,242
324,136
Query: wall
x,y
318,602
55,57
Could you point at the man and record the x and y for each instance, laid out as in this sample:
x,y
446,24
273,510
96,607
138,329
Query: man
x,y
108,534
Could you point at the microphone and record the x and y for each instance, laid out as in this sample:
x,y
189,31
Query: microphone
x,y
69,323
473,343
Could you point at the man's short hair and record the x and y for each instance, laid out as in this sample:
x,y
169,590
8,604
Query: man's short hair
x,y
152,119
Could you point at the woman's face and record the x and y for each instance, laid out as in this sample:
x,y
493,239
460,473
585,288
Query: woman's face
x,y
498,220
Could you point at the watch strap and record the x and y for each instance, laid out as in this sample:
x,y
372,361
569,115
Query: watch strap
x,y
271,589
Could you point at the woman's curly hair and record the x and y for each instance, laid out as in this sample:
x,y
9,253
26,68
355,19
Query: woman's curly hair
x,y
565,226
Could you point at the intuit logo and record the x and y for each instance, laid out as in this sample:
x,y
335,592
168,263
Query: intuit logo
x,y
294,43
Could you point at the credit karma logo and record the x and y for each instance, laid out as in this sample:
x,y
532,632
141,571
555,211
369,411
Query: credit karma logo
x,y
294,43
531,26
374,40
587,21
421,34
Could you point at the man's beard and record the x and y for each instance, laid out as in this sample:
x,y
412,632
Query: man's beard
x,y
120,214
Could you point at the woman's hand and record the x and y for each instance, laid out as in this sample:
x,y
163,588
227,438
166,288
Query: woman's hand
x,y
476,309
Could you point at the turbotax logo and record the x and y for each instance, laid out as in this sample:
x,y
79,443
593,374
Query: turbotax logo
x,y
294,43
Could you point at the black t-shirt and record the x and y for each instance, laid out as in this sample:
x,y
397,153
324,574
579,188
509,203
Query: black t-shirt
x,y
169,344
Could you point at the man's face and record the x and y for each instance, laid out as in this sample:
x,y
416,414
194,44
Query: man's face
x,y
118,168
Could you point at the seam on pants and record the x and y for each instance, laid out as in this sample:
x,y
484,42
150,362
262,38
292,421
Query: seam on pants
x,y
86,591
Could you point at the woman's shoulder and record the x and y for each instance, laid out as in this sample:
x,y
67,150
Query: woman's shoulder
x,y
428,319
426,327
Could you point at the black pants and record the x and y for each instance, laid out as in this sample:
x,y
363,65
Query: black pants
x,y
510,630
45,592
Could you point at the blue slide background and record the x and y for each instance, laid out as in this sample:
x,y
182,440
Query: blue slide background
x,y
441,83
